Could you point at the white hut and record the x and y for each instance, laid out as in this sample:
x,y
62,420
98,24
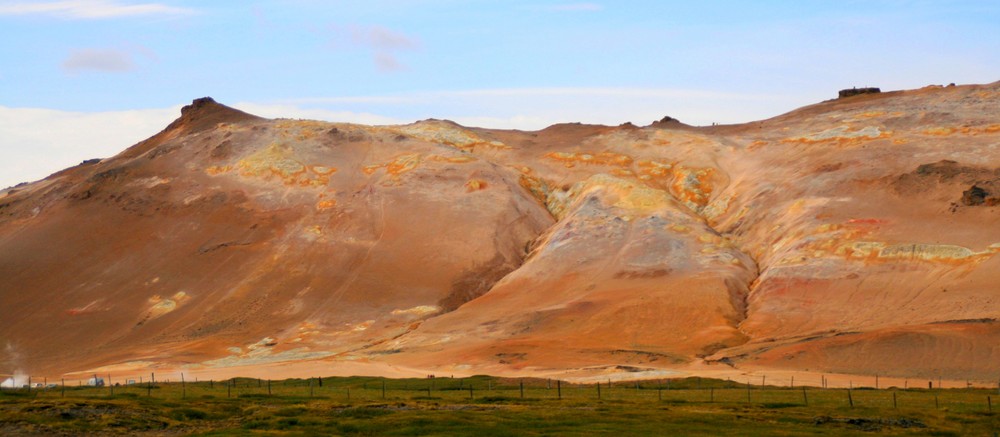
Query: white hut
x,y
95,382
15,381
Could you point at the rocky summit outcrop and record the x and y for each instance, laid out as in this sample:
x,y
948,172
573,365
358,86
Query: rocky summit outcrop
x,y
856,236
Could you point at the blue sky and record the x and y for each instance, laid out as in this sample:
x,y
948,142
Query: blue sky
x,y
87,78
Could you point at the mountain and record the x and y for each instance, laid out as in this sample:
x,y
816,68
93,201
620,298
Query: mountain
x,y
857,236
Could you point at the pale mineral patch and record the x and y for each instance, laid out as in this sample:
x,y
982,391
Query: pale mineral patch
x,y
420,310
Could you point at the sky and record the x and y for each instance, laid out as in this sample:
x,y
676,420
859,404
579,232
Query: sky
x,y
84,79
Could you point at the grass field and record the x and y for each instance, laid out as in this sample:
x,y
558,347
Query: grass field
x,y
493,406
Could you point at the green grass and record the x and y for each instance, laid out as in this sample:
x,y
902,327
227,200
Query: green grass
x,y
356,406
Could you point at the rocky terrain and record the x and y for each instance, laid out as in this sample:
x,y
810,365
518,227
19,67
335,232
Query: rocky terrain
x,y
855,236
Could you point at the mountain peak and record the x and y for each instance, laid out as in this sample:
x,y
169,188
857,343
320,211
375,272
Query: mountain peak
x,y
205,113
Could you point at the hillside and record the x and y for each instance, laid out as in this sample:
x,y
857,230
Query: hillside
x,y
855,236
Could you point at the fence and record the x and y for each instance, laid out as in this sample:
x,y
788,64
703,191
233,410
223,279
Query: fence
x,y
483,388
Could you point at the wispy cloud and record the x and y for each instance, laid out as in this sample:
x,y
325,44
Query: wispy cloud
x,y
89,9
388,63
108,60
113,60
385,44
381,38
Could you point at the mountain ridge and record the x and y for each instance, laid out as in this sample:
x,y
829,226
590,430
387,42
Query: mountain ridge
x,y
853,236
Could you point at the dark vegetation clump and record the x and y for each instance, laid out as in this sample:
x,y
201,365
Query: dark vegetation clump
x,y
857,91
974,196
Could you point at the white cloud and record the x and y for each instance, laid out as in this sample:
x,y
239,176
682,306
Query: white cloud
x,y
536,108
89,9
37,142
98,60
294,111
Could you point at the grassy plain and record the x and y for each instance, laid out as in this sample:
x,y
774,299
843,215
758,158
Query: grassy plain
x,y
493,407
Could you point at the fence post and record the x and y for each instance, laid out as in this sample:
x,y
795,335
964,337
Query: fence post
x,y
269,387
470,392
792,385
850,400
876,381
149,388
63,387
748,392
598,390
894,399
183,387
522,389
805,398
936,401
310,387
559,389
989,404
229,388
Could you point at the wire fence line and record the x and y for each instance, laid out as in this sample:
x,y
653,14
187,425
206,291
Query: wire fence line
x,y
9,381
356,389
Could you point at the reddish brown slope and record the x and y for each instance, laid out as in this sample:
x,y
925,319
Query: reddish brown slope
x,y
314,237
854,236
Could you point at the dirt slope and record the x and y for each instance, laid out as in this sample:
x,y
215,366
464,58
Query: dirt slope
x,y
855,236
